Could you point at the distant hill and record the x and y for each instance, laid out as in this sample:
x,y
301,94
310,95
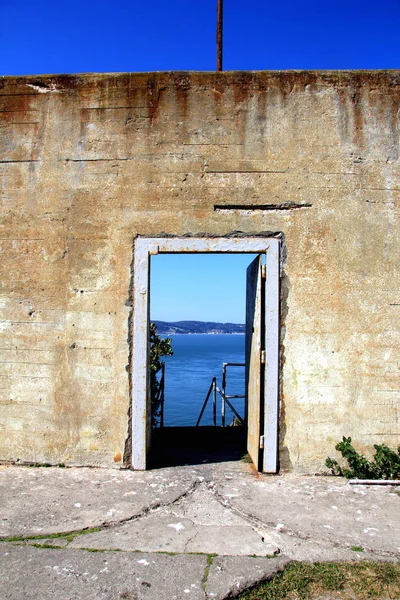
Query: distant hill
x,y
166,328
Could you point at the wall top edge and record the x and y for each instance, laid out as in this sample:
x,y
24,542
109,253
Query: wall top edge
x,y
184,79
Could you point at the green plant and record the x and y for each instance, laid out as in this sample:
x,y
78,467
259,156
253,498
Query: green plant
x,y
246,458
158,347
385,464
210,560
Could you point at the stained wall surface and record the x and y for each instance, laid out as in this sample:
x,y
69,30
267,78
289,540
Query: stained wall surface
x,y
87,162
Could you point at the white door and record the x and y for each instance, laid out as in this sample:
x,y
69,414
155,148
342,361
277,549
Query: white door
x,y
254,368
262,360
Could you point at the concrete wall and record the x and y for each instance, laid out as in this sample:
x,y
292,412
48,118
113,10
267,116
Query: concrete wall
x,y
89,161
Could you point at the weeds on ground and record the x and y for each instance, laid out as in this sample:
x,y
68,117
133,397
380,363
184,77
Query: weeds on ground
x,y
210,559
347,581
66,535
246,458
385,464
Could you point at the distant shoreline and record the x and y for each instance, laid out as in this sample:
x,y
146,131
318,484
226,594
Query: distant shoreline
x,y
198,328
203,333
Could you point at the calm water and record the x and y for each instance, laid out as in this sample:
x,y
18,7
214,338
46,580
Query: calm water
x,y
188,373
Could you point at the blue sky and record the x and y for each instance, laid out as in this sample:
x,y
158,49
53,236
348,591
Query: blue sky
x,y
99,35
199,287
102,36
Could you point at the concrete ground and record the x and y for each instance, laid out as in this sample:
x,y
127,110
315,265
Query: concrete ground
x,y
201,532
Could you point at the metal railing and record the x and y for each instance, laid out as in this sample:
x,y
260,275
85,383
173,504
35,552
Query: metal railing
x,y
214,389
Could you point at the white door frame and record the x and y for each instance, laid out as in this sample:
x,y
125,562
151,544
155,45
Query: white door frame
x,y
144,247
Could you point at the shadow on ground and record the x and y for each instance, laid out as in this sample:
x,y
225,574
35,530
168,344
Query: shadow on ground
x,y
178,446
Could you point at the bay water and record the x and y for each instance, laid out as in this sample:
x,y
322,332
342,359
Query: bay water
x,y
188,374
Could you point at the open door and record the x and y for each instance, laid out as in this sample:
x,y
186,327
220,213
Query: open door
x,y
254,368
262,341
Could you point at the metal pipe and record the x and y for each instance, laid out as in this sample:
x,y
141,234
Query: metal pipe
x,y
230,405
214,403
219,34
223,408
374,481
206,400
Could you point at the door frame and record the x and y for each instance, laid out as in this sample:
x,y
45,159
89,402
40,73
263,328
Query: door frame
x,y
144,248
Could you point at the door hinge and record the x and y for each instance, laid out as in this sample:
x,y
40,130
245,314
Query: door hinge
x,y
261,441
263,271
263,357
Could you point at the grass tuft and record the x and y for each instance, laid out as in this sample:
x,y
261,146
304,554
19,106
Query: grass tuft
x,y
101,549
47,546
348,581
67,535
246,458
210,559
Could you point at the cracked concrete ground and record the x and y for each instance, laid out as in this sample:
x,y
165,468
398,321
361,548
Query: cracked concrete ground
x,y
197,532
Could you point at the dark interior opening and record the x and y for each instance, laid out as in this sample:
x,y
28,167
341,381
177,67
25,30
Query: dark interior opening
x,y
178,446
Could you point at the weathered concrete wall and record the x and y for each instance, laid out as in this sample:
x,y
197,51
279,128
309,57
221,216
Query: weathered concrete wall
x,y
87,162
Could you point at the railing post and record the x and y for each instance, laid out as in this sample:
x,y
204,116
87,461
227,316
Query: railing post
x,y
214,402
213,383
225,399
223,407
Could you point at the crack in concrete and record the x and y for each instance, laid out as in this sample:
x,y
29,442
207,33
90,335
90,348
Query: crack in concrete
x,y
124,550
196,533
210,560
153,507
109,524
259,525
231,594
252,519
256,523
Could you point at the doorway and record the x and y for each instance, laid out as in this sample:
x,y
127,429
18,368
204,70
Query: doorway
x,y
262,341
